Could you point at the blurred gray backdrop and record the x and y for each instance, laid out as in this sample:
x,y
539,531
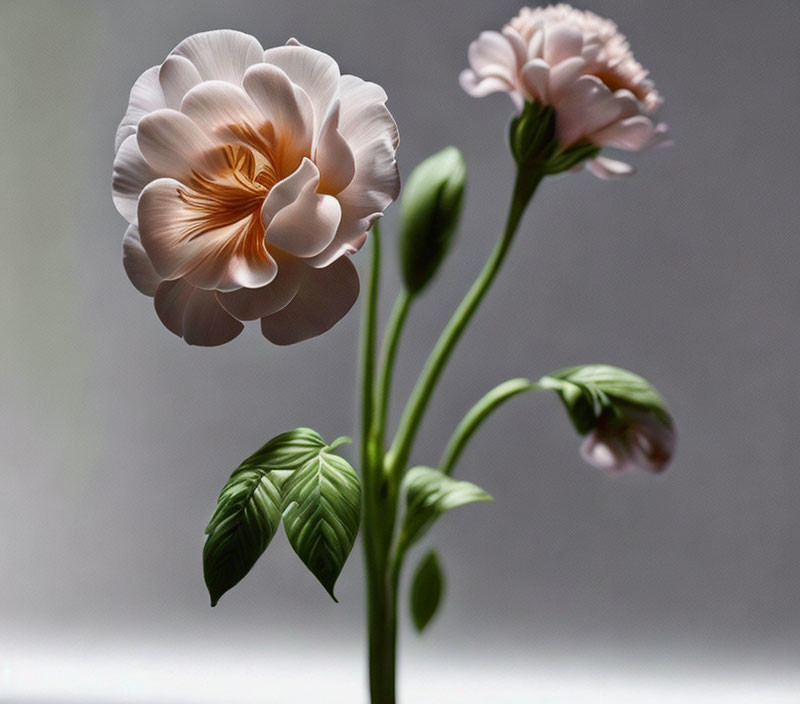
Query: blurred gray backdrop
x,y
116,436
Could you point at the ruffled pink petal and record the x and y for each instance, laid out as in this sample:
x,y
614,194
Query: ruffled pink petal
x,y
561,42
222,54
254,303
308,224
518,45
287,107
491,54
146,96
609,169
137,264
564,74
332,154
535,78
177,77
194,314
632,134
174,145
323,299
588,106
131,174
210,256
481,87
315,72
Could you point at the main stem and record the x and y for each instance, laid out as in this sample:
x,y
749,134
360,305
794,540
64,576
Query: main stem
x,y
381,609
398,454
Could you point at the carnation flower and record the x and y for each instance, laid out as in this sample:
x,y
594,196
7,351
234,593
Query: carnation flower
x,y
634,439
247,176
578,63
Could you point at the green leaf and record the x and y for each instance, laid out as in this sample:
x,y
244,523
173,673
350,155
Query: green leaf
x,y
249,508
589,391
427,587
322,512
430,209
429,493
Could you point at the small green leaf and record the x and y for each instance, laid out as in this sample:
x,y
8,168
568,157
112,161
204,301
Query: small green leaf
x,y
322,513
249,508
429,493
430,209
590,391
427,587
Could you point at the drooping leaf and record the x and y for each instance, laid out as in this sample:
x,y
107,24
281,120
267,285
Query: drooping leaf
x,y
249,508
590,391
429,493
427,588
322,513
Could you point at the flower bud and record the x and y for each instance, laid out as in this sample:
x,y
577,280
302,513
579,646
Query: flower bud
x,y
429,212
628,440
624,419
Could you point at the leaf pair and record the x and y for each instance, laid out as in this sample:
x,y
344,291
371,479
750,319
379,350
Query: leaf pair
x,y
294,476
429,493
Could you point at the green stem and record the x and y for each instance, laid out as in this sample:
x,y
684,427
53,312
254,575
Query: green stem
x,y
391,342
476,415
380,610
398,454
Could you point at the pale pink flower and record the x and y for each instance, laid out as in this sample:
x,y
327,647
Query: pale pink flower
x,y
637,439
581,65
247,176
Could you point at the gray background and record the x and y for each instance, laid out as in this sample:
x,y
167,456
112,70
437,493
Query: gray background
x,y
116,436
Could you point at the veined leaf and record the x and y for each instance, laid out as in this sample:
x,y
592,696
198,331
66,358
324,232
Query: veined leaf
x,y
427,587
429,493
589,391
249,508
322,513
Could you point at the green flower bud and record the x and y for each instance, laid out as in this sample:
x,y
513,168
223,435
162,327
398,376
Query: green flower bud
x,y
430,208
626,424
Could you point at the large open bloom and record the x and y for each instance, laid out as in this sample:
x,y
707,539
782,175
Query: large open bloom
x,y
581,65
247,176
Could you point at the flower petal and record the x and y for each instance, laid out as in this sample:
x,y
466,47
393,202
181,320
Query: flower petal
x,y
174,145
222,54
609,169
146,96
131,174
332,154
287,107
214,255
307,225
588,106
564,74
314,71
288,190
323,299
194,314
491,54
535,78
254,303
137,264
632,134
177,76
225,112
561,41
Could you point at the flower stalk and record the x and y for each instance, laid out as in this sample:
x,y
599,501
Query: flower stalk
x,y
383,470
